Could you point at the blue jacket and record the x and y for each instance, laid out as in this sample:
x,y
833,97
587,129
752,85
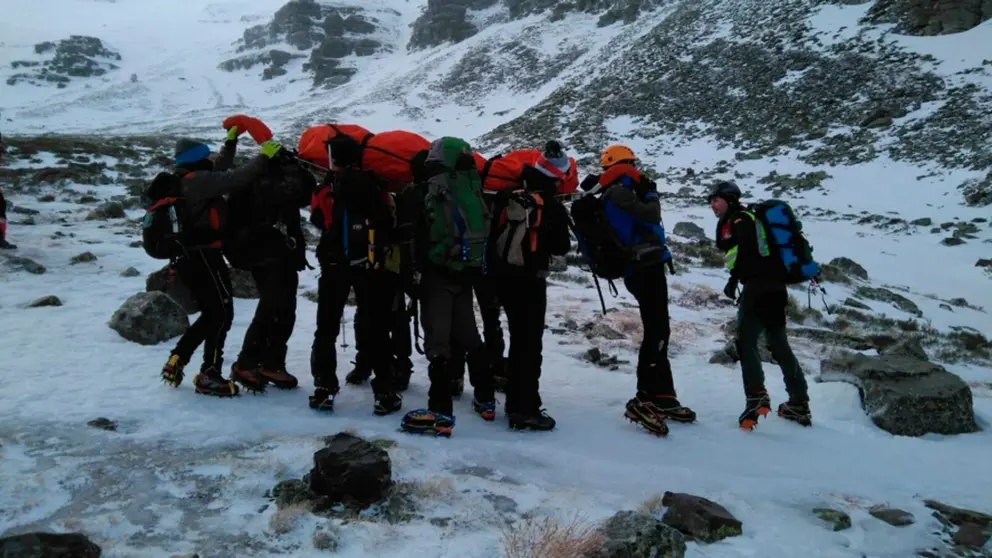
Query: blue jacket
x,y
637,222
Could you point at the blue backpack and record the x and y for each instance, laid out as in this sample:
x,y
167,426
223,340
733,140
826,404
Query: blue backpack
x,y
782,238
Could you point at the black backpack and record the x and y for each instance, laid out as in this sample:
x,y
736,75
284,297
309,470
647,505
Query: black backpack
x,y
164,222
607,256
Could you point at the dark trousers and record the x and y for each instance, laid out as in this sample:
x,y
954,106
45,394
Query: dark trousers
x,y
654,371
371,295
525,301
766,313
486,291
208,279
267,339
400,322
447,316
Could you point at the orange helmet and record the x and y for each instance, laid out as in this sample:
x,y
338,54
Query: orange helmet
x,y
616,154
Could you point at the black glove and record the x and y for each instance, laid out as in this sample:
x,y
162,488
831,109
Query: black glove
x,y
589,182
644,186
731,289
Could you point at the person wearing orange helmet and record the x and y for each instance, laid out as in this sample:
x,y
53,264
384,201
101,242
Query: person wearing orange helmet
x,y
630,205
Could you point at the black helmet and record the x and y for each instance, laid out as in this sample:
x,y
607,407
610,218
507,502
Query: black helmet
x,y
727,190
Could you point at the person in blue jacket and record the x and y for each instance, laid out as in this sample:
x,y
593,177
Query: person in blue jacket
x,y
633,211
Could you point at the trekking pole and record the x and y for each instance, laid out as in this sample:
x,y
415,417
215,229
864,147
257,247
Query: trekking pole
x,y
814,284
344,334
600,292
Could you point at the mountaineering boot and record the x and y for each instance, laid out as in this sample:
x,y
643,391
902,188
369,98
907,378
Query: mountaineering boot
x,y
645,413
486,409
210,382
322,400
425,421
668,406
527,421
248,377
796,411
172,372
757,405
279,378
358,375
387,404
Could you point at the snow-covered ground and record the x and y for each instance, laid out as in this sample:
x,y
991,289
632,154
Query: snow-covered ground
x,y
188,473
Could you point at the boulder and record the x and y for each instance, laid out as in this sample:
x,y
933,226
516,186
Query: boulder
x,y
910,346
689,230
243,284
849,266
50,300
350,470
49,545
893,516
165,281
905,396
698,518
837,519
631,534
149,318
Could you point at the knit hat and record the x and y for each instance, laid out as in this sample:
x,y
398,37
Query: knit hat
x,y
553,162
726,189
189,151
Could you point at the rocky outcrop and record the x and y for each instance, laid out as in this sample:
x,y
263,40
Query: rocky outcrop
x,y
49,545
906,396
444,21
931,17
73,58
167,281
149,318
328,32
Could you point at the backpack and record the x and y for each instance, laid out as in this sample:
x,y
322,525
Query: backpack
x,y
458,217
607,256
348,223
519,225
781,237
162,228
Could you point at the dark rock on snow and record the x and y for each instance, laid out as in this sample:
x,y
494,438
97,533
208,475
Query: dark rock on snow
x,y
50,300
630,534
689,230
291,492
837,519
350,470
243,284
85,257
850,267
49,545
103,423
698,518
905,396
25,264
130,272
149,318
165,281
909,346
892,516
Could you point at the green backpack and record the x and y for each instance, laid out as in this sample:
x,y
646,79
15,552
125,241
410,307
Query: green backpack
x,y
456,212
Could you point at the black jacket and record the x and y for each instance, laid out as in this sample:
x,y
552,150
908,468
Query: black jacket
x,y
737,236
264,225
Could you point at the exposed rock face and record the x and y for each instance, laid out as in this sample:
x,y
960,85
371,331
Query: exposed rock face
x,y
906,396
149,318
329,33
76,57
445,20
931,17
